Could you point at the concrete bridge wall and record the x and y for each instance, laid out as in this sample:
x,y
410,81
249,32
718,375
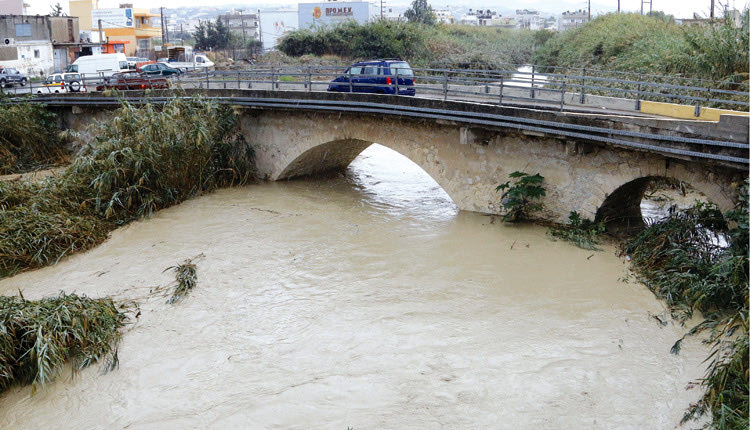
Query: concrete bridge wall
x,y
470,163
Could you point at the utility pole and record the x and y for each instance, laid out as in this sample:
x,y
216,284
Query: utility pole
x,y
101,40
712,10
589,10
643,2
260,33
381,9
242,20
163,37
618,6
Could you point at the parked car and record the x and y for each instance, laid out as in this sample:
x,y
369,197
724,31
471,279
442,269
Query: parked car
x,y
133,81
376,76
100,65
54,83
135,62
10,76
159,69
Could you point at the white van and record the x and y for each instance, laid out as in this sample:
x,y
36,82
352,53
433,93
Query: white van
x,y
99,65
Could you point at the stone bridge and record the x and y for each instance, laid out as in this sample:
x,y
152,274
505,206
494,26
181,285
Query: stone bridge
x,y
594,163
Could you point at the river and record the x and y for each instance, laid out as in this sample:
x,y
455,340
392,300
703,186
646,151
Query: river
x,y
366,300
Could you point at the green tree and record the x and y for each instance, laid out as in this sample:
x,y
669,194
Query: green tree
x,y
56,10
201,38
420,12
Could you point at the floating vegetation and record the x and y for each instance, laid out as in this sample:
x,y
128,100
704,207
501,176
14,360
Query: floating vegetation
x,y
142,160
186,278
582,232
28,138
37,337
682,262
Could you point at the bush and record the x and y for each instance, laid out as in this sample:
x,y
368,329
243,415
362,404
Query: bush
x,y
582,232
142,160
37,337
28,138
519,198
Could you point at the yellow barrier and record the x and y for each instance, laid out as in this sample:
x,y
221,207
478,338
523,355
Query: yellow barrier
x,y
686,112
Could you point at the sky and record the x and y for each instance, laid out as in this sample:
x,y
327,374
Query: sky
x,y
678,8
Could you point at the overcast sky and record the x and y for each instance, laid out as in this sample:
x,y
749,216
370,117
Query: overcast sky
x,y
678,8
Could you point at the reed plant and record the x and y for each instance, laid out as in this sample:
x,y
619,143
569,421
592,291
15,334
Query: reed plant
x,y
697,260
38,337
28,138
582,232
142,160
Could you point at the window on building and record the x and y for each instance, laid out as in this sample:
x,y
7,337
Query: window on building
x,y
36,53
23,30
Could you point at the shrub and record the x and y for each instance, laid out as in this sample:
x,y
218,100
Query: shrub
x,y
37,337
519,199
582,232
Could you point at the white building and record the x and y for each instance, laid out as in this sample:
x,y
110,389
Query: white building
x,y
333,12
480,17
529,19
445,16
573,19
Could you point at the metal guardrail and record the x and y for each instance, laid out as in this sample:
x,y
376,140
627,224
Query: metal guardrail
x,y
573,88
664,144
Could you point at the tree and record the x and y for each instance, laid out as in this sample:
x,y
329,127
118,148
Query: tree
x,y
56,10
420,12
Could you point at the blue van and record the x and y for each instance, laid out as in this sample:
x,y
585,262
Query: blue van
x,y
376,76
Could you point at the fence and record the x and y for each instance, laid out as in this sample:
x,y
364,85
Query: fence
x,y
526,85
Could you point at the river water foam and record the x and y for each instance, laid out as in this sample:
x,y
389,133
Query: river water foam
x,y
367,301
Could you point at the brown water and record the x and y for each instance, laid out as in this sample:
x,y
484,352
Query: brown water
x,y
364,301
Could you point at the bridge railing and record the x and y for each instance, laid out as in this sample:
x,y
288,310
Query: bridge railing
x,y
528,85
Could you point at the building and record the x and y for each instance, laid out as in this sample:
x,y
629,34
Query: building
x,y
329,13
39,45
445,16
11,7
481,17
244,25
124,29
574,19
530,19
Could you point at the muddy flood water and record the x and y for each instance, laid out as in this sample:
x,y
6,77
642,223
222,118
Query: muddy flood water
x,y
365,301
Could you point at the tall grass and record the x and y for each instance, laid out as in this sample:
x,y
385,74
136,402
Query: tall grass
x,y
28,138
650,45
682,262
425,46
142,160
37,337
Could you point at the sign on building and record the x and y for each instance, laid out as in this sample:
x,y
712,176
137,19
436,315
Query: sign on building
x,y
317,14
112,18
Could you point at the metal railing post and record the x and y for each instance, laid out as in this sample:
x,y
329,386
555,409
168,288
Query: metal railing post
x,y
396,82
309,79
562,96
274,83
501,89
350,82
208,83
533,72
445,85
238,80
583,86
638,94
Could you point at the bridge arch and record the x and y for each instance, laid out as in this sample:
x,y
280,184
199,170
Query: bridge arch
x,y
621,208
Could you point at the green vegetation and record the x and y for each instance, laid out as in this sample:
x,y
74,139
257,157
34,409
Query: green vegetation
x,y
423,46
37,337
186,278
653,45
420,12
519,198
28,138
582,232
144,159
681,260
